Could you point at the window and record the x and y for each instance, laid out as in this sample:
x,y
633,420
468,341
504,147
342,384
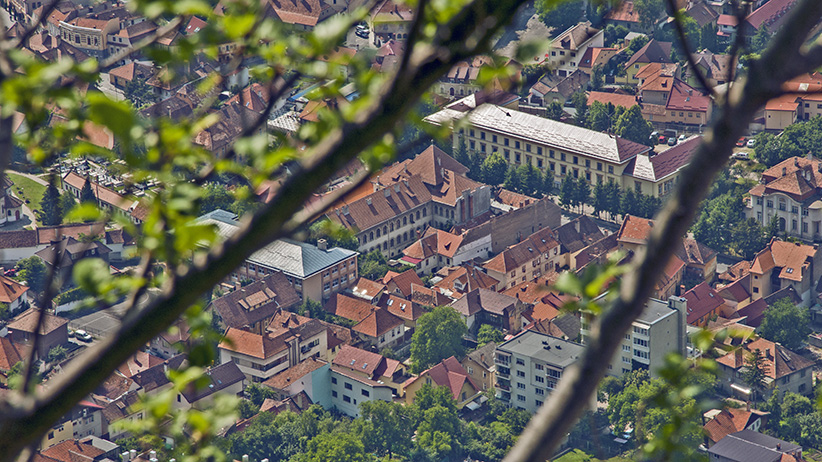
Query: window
x,y
576,160
770,203
527,147
539,163
521,386
366,393
482,135
333,393
348,386
520,398
334,380
599,166
505,141
588,163
494,138
641,342
539,150
626,348
538,367
346,399
611,169
551,153
540,378
562,156
540,391
516,144
517,158
794,209
471,132
520,374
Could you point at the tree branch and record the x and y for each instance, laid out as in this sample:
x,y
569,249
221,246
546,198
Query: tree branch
x,y
24,419
782,61
686,47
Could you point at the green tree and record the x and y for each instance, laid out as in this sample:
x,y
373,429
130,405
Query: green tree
x,y
256,394
139,93
33,272
760,40
387,428
215,196
637,43
580,101
337,447
649,12
438,434
438,336
597,78
600,198
66,203
748,238
707,38
57,353
568,192
756,371
613,199
786,323
512,180
335,236
475,166
86,193
530,180
5,312
598,118
548,181
494,168
373,265
629,203
555,111
488,333
632,126
614,34
50,213
583,192
560,16
461,153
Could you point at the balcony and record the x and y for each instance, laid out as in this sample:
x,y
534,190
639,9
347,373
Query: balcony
x,y
503,371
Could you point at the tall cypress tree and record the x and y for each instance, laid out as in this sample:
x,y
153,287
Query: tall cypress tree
x,y
50,213
86,193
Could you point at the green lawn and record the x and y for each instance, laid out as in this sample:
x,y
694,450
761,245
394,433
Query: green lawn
x,y
579,456
32,191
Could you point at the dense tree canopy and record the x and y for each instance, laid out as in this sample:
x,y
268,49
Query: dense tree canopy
x,y
438,336
786,323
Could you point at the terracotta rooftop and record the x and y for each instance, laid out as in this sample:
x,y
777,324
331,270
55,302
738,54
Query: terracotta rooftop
x,y
293,374
793,259
653,52
402,282
348,307
10,290
535,246
27,322
728,421
251,344
377,323
463,279
702,300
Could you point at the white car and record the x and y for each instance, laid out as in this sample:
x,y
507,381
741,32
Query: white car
x,y
683,137
751,143
741,155
82,335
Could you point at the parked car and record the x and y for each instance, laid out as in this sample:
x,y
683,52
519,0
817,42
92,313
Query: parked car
x,y
662,139
683,137
751,143
741,155
672,141
741,142
10,272
362,31
82,335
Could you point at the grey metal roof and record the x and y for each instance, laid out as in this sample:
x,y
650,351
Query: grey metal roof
x,y
654,311
537,129
291,257
751,446
545,348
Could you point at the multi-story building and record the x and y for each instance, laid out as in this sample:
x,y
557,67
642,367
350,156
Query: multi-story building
x,y
391,20
529,139
107,198
447,373
438,249
358,375
529,366
252,307
660,329
787,264
408,197
790,191
784,369
567,48
483,306
283,345
316,272
537,255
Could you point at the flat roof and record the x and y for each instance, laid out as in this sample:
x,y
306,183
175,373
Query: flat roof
x,y
543,347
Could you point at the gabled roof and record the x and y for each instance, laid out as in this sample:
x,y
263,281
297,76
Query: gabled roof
x,y
578,234
575,36
9,354
748,445
548,132
684,97
702,300
617,99
779,361
219,378
463,279
10,290
255,302
383,205
73,451
294,258
769,14
27,322
291,375
301,12
793,259
401,307
348,307
402,281
666,163
428,165
139,362
653,52
450,373
371,364
367,289
694,252
484,300
428,297
484,355
388,11
251,344
728,421
536,245
434,242
624,11
635,230
377,323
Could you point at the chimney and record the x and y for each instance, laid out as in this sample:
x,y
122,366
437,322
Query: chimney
x,y
748,405
345,210
322,244
397,188
386,192
368,202
133,453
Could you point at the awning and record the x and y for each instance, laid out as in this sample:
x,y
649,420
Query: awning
x,y
411,260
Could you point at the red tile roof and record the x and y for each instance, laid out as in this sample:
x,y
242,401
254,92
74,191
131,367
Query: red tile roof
x,y
623,12
251,344
402,282
9,354
702,300
10,290
73,451
536,245
349,307
378,323
294,373
450,373
617,99
367,289
301,12
463,279
769,14
653,52
400,307
728,421
383,205
27,322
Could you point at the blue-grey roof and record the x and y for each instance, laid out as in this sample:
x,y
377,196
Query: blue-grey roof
x,y
295,258
751,446
545,348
